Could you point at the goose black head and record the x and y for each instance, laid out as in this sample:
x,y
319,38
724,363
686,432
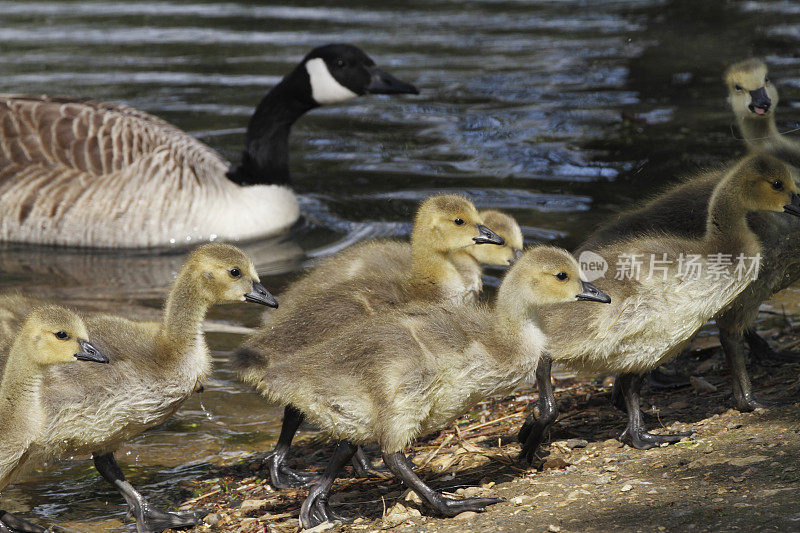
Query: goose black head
x,y
339,72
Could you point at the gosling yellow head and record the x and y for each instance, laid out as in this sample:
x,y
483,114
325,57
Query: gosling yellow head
x,y
449,222
225,274
507,228
750,93
59,336
768,186
545,275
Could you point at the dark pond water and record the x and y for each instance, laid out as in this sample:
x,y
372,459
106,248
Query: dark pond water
x,y
560,113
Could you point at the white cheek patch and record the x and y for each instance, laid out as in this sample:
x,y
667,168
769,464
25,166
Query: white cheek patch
x,y
324,87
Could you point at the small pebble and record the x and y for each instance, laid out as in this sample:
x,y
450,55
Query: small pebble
x,y
701,386
627,487
577,443
252,505
466,515
554,463
554,528
212,519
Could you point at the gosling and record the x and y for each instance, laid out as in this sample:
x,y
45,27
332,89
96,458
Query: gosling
x,y
447,231
682,211
49,335
400,374
155,368
370,257
655,316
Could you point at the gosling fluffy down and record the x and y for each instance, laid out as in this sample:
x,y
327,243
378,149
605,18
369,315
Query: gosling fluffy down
x,y
155,367
403,373
654,316
447,231
49,335
681,210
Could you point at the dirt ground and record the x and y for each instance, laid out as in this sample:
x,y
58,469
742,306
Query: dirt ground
x,y
740,471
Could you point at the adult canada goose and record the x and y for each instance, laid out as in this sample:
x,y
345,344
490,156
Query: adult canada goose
x,y
154,368
447,230
84,173
48,336
401,374
656,313
681,210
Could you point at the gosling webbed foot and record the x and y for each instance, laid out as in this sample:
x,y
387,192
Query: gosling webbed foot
x,y
153,520
283,477
766,355
642,440
450,507
14,524
316,511
748,403
363,467
531,435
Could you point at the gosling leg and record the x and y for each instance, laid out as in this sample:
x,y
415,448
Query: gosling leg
x,y
402,468
281,476
733,347
362,466
315,509
657,379
761,351
11,524
149,519
533,431
635,434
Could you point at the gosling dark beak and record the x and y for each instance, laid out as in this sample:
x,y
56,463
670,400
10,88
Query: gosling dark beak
x,y
487,236
592,294
794,207
759,101
260,295
90,353
383,83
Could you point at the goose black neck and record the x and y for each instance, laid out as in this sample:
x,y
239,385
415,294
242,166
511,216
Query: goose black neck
x,y
265,158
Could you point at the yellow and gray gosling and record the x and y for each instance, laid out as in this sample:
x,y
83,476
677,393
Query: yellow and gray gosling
x,y
447,232
682,210
64,160
400,374
49,335
653,317
377,256
155,367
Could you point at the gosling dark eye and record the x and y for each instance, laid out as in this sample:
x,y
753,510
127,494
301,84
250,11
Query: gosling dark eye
x,y
62,335
766,81
340,63
738,87
777,185
459,222
235,273
562,276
